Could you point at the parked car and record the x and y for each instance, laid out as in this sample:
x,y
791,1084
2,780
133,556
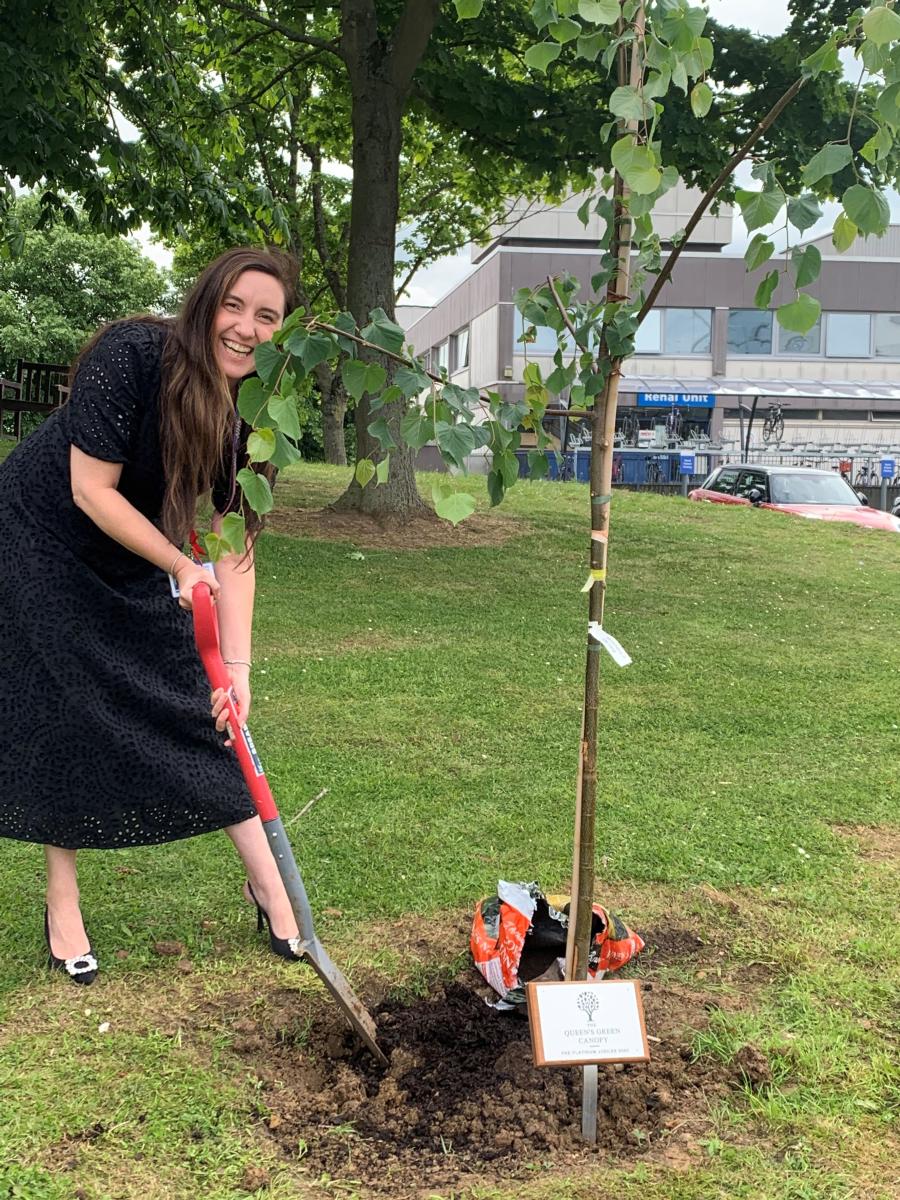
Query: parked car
x,y
895,508
819,495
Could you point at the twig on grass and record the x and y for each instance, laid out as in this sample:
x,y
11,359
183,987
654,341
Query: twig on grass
x,y
306,807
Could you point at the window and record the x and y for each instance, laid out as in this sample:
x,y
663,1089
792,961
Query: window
x,y
887,335
440,356
687,330
749,331
724,482
544,343
750,480
459,350
675,331
848,335
648,339
800,343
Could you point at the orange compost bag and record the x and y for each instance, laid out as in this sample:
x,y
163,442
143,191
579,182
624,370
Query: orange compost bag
x,y
520,934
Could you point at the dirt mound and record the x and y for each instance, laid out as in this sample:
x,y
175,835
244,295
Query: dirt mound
x,y
462,1097
423,532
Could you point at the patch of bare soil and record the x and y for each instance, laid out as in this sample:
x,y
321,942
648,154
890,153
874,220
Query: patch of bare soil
x,y
426,532
877,843
461,1097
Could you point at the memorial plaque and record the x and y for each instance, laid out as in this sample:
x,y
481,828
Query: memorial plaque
x,y
577,1023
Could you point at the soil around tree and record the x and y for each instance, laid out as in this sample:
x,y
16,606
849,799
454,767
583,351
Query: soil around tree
x,y
461,1100
422,531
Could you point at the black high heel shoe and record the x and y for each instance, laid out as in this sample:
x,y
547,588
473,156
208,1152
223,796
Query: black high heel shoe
x,y
82,968
286,948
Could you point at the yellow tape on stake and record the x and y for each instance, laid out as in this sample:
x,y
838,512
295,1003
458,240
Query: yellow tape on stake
x,y
597,573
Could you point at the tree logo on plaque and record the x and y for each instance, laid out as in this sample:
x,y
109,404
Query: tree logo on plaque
x,y
588,1003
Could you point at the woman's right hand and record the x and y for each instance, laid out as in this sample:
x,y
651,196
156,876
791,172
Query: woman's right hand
x,y
188,574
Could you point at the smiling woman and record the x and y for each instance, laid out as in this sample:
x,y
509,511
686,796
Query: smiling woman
x,y
95,511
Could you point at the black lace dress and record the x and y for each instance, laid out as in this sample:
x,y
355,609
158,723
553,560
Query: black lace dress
x,y
106,738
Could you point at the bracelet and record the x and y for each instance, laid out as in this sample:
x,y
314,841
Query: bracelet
x,y
237,662
180,554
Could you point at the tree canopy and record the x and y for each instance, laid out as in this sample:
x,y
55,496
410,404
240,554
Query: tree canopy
x,y
67,281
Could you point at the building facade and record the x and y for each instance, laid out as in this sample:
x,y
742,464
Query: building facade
x,y
706,359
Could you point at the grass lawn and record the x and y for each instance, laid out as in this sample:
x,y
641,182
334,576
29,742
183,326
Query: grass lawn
x,y
749,794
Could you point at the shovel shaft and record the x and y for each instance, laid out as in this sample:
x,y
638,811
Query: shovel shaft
x,y
290,876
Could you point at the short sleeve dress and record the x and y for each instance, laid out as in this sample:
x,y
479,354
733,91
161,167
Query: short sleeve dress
x,y
106,738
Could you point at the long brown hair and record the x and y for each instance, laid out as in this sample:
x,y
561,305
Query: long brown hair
x,y
196,407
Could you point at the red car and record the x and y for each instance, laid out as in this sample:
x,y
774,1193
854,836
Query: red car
x,y
819,495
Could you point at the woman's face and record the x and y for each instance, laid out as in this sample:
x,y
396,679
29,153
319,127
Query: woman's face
x,y
251,310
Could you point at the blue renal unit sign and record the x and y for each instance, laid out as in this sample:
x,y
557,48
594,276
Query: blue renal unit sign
x,y
888,467
676,400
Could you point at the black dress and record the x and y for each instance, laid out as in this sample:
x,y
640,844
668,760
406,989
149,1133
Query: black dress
x,y
106,738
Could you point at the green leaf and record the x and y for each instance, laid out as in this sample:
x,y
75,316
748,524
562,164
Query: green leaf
x,y
701,99
383,469
637,165
234,533
844,233
411,381
878,145
766,290
252,399
466,10
381,432
269,361
539,57
216,547
758,252
452,506
807,264
256,490
315,349
881,25
759,208
286,452
261,445
283,411
803,211
829,160
360,377
564,31
628,103
456,441
866,208
383,332
365,471
589,46
495,487
824,59
800,315
543,12
888,105
599,12
538,464
416,428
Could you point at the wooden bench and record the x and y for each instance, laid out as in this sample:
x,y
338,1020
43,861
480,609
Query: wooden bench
x,y
37,387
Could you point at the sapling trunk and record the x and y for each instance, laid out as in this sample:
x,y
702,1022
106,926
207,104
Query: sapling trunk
x,y
603,429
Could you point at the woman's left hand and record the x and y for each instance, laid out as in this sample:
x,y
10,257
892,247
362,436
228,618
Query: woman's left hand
x,y
240,685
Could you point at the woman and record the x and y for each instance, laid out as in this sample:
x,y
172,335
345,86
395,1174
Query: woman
x,y
105,732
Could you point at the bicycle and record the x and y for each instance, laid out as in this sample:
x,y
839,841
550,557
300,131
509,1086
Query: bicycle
x,y
653,472
673,424
773,426
629,428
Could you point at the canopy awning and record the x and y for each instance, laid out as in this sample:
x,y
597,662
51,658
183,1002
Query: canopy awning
x,y
813,389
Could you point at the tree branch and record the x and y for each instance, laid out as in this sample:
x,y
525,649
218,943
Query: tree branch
x,y
320,233
718,183
289,31
410,39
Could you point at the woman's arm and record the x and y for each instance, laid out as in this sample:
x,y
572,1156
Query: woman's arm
x,y
236,574
94,491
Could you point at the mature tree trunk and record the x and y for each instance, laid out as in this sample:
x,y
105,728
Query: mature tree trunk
x,y
333,399
380,72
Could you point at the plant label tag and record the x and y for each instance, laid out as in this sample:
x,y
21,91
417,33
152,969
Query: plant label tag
x,y
173,582
615,649
575,1023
